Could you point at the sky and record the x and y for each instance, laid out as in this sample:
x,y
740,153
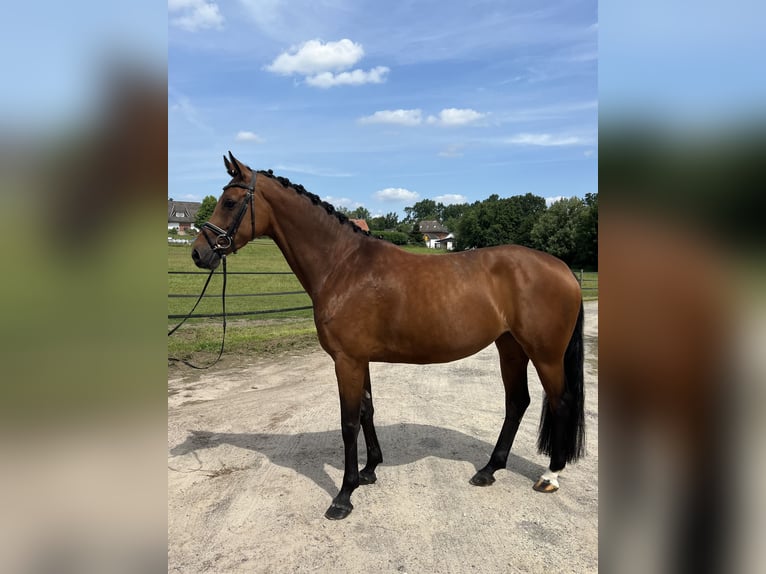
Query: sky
x,y
385,104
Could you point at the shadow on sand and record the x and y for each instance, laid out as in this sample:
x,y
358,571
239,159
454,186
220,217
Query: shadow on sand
x,y
308,453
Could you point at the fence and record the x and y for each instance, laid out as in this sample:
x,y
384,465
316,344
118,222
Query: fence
x,y
588,284
228,295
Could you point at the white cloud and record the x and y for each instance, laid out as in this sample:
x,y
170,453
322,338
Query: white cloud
x,y
342,202
314,57
246,136
182,105
545,140
551,200
456,117
447,117
396,194
325,65
589,153
354,78
195,15
399,117
451,198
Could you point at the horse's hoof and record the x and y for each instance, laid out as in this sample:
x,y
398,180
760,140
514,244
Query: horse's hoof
x,y
367,477
545,485
482,479
338,512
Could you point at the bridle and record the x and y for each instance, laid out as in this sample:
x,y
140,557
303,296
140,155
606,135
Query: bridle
x,y
225,239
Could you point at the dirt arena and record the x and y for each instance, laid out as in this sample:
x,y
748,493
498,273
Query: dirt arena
x,y
255,456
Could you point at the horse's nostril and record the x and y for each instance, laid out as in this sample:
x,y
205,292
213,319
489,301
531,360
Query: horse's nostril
x,y
195,255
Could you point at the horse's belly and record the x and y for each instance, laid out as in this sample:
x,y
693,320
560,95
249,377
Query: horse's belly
x,y
433,348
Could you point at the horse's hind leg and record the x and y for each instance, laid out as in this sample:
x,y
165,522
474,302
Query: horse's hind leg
x,y
374,455
554,423
513,367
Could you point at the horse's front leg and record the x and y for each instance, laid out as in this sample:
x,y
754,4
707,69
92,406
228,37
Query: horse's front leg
x,y
374,455
351,375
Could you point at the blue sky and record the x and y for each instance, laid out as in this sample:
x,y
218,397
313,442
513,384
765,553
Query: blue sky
x,y
385,104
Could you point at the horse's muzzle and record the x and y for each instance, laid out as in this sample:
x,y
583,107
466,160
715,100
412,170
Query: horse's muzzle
x,y
205,258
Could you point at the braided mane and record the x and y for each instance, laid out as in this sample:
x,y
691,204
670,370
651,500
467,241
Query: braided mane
x,y
316,200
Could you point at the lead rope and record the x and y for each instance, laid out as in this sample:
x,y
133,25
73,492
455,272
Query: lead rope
x,y
223,307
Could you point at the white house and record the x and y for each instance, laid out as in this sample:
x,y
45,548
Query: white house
x,y
181,215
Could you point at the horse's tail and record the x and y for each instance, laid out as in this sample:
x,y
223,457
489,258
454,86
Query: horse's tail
x,y
573,414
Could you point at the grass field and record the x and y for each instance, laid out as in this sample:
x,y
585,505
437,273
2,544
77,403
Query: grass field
x,y
266,334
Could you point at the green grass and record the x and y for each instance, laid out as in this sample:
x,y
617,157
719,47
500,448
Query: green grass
x,y
199,339
262,335
589,284
258,256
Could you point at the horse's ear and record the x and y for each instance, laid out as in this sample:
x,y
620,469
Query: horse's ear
x,y
236,167
232,167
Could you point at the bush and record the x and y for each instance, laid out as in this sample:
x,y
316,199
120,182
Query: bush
x,y
395,237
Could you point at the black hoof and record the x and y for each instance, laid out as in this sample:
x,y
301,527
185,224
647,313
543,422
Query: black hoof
x,y
482,479
367,477
338,512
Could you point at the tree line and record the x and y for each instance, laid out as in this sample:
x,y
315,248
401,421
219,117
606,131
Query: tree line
x,y
568,228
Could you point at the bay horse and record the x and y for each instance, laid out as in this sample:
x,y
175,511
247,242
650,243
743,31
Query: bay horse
x,y
372,302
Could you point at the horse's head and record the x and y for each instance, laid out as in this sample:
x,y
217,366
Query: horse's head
x,y
239,217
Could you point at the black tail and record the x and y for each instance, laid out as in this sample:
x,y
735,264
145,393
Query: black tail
x,y
573,413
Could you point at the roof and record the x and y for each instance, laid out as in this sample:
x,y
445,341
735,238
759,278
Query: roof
x,y
182,211
435,235
432,227
361,224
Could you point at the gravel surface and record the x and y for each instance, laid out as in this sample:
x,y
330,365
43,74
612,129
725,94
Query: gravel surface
x,y
255,457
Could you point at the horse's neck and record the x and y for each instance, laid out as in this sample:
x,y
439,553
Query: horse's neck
x,y
311,240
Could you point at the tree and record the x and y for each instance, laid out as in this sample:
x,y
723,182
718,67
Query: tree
x,y
452,214
497,221
391,220
586,234
360,213
415,237
555,230
205,211
423,210
387,222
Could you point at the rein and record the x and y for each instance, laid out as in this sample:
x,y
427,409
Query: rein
x,y
223,306
223,241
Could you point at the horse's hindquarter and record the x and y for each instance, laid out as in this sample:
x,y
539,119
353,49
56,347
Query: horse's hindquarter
x,y
399,307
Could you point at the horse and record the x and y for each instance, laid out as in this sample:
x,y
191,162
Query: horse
x,y
373,303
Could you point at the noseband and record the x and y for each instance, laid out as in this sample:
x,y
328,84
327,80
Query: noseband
x,y
225,239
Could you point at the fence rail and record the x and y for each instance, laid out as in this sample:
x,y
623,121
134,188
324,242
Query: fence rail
x,y
232,273
582,280
228,295
585,285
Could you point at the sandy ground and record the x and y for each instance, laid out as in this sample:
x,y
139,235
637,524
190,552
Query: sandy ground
x,y
255,457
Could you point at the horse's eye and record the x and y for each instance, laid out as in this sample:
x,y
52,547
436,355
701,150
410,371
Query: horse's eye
x,y
229,203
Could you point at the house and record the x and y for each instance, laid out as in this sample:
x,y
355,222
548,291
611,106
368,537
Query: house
x,y
361,224
447,243
434,232
181,215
